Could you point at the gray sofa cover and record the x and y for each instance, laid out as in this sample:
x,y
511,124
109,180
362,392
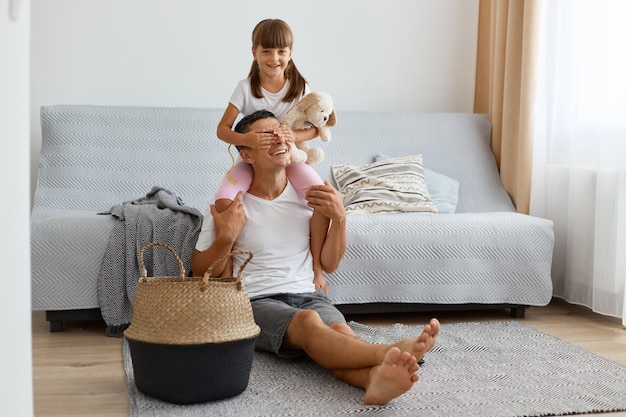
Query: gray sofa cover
x,y
483,255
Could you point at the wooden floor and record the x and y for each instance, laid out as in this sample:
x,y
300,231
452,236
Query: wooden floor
x,y
79,372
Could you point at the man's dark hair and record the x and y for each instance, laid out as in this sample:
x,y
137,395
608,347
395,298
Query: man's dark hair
x,y
244,124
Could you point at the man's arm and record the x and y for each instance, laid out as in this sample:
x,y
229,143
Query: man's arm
x,y
228,226
327,200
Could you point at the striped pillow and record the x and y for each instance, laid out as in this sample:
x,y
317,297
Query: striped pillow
x,y
392,185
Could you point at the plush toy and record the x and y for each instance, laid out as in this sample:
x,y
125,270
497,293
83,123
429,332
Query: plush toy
x,y
315,109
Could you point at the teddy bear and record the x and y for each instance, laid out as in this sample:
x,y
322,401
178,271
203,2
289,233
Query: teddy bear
x,y
315,109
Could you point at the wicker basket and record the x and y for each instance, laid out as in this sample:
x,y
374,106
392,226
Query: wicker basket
x,y
191,339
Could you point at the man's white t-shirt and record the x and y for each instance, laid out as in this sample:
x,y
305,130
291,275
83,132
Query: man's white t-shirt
x,y
277,232
246,103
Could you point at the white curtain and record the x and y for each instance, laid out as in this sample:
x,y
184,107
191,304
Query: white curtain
x,y
579,167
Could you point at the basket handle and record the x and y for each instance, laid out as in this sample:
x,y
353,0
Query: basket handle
x,y
144,273
207,274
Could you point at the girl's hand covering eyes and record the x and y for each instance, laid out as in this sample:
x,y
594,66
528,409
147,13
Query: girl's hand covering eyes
x,y
259,139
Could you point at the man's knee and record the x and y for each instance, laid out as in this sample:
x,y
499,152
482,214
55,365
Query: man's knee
x,y
306,318
343,328
301,328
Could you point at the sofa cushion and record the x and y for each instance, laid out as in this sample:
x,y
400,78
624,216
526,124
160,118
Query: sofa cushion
x,y
443,190
391,185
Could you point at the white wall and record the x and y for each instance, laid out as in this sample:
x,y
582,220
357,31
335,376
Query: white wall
x,y
16,393
413,55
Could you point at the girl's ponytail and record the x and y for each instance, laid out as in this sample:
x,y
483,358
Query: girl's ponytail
x,y
297,83
255,82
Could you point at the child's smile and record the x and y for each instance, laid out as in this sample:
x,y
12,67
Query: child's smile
x,y
272,61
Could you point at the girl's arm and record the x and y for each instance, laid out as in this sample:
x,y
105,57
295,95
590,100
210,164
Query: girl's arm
x,y
225,127
305,134
252,139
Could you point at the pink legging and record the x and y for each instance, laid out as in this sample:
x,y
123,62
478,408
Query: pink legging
x,y
302,176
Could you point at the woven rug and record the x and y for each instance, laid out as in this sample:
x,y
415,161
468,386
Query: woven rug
x,y
476,369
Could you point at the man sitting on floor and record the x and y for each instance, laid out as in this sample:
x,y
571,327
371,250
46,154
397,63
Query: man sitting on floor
x,y
273,221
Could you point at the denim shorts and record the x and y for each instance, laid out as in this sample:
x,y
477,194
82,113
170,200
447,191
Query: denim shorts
x,y
273,313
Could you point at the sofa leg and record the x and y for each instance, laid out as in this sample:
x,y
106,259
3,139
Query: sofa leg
x,y
518,312
57,317
56,326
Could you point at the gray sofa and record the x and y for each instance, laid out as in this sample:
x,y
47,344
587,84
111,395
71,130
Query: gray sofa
x,y
483,255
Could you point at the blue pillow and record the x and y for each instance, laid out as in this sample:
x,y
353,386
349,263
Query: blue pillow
x,y
443,190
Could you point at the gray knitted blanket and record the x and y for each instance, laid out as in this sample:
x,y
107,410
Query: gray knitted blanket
x,y
160,216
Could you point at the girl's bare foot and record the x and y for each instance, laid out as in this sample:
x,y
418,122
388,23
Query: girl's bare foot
x,y
320,281
392,378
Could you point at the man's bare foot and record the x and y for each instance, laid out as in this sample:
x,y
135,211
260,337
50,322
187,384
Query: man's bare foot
x,y
392,378
419,345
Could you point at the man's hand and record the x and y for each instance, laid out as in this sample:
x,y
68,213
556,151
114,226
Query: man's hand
x,y
327,200
230,222
228,225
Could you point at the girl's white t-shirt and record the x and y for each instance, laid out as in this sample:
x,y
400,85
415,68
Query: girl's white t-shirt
x,y
277,232
246,103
